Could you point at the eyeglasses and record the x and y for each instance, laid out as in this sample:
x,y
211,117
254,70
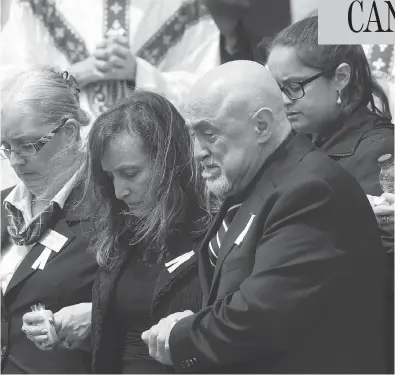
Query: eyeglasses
x,y
30,149
295,90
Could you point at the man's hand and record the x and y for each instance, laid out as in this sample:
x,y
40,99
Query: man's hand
x,y
111,60
157,337
114,60
85,71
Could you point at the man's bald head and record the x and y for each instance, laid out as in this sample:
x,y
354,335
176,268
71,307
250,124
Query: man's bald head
x,y
237,115
236,86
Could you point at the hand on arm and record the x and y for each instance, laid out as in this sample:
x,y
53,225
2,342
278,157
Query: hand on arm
x,y
157,337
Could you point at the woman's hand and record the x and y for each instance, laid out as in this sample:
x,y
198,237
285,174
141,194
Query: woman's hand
x,y
39,327
384,207
72,325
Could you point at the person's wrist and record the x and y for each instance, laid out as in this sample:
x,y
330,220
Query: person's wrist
x,y
82,75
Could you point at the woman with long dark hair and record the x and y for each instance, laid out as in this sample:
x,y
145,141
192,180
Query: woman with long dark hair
x,y
152,218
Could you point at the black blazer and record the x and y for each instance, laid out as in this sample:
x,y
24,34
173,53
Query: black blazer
x,y
303,292
67,279
173,292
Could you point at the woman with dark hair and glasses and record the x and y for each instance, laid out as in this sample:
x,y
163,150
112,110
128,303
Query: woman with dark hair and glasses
x,y
151,218
45,228
330,94
327,90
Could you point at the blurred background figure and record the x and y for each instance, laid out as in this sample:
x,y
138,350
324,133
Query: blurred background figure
x,y
244,23
114,45
45,224
110,47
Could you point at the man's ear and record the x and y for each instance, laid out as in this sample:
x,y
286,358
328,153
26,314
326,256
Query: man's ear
x,y
262,121
72,130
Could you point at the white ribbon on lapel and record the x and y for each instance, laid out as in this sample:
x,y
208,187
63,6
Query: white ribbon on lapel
x,y
176,262
53,241
240,239
42,260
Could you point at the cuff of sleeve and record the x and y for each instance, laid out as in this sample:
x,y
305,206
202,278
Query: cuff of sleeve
x,y
183,352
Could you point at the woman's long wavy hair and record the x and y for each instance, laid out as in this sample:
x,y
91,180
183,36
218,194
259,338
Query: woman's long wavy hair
x,y
362,88
174,182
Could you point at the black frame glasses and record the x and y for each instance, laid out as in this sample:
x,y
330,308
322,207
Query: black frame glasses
x,y
295,90
30,149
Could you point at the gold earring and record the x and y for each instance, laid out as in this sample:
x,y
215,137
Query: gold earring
x,y
339,99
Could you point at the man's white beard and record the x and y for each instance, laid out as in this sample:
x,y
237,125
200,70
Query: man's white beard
x,y
219,186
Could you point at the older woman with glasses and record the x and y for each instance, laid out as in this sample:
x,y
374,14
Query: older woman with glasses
x,y
45,224
330,94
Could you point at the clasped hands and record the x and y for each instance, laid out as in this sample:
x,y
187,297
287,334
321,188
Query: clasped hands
x,y
71,325
111,60
157,337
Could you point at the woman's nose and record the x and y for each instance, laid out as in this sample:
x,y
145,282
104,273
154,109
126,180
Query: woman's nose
x,y
15,159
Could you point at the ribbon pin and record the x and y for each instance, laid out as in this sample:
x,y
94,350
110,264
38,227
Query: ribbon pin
x,y
53,241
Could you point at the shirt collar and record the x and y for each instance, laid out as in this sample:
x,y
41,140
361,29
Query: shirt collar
x,y
20,197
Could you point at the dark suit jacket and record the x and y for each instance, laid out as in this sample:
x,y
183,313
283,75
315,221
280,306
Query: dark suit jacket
x,y
67,279
176,291
303,292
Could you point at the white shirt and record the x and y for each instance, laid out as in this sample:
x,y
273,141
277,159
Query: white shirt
x,y
12,255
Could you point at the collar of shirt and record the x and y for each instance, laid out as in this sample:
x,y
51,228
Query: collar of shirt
x,y
21,198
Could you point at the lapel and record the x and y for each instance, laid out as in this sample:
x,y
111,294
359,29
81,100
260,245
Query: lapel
x,y
25,269
183,244
102,293
237,225
106,281
4,219
205,268
280,165
166,280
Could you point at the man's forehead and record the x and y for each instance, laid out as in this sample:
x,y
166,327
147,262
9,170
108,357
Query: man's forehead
x,y
205,108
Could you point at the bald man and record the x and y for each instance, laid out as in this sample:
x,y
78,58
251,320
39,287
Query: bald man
x,y
291,269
